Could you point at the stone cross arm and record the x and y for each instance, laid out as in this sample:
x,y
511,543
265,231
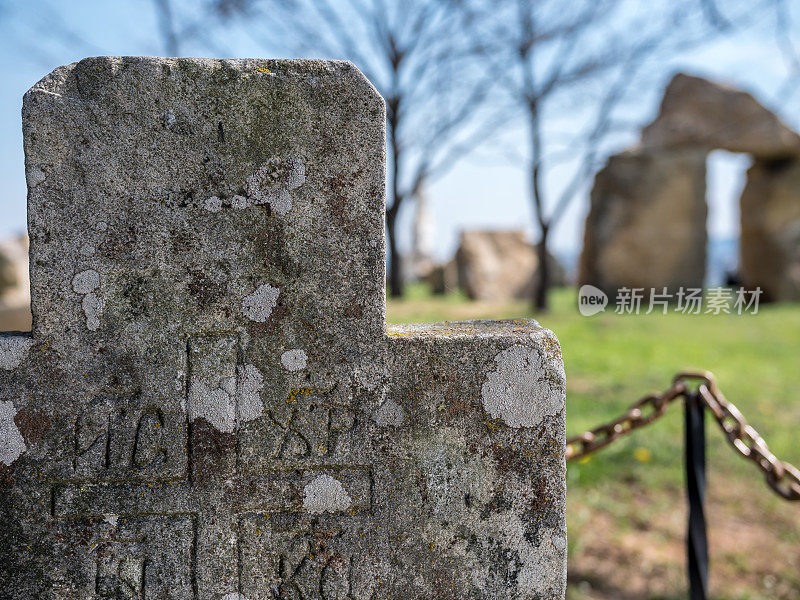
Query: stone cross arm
x,y
210,404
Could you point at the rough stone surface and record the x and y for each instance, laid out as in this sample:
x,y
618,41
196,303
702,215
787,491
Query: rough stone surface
x,y
647,222
697,113
500,265
158,446
770,229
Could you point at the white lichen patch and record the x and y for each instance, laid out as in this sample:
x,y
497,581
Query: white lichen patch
x,y
272,182
111,519
213,204
519,391
213,382
13,350
12,444
35,176
180,378
217,405
325,494
369,373
389,414
542,565
92,307
241,202
88,249
258,305
249,384
86,282
294,360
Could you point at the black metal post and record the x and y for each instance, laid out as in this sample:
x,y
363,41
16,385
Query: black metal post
x,y
696,543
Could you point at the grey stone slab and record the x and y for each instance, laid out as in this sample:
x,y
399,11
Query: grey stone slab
x,y
210,404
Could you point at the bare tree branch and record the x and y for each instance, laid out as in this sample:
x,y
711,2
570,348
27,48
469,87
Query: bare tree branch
x,y
414,52
167,26
582,57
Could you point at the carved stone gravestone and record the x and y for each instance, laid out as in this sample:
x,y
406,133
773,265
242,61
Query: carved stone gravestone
x,y
210,405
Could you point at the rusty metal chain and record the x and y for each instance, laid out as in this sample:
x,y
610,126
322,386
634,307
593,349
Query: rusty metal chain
x,y
782,477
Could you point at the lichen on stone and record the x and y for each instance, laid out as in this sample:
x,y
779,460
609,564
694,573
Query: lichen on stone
x,y
249,384
325,494
258,305
272,182
86,282
92,307
240,202
389,414
35,176
519,391
294,360
12,444
13,350
213,204
217,405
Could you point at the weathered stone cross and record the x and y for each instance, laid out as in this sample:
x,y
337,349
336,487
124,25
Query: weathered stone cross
x,y
210,405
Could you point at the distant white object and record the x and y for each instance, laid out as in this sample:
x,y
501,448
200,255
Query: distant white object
x,y
423,239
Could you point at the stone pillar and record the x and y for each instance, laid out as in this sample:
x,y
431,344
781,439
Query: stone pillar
x,y
770,237
210,405
647,222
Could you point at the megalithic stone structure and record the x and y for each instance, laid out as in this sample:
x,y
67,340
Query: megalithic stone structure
x,y
646,226
210,405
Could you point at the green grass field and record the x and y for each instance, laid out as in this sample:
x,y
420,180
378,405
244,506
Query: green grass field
x,y
626,502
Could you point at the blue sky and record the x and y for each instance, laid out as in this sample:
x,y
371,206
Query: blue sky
x,y
483,190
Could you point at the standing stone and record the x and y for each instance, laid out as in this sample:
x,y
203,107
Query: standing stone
x,y
209,405
443,278
770,222
697,113
647,222
15,299
500,265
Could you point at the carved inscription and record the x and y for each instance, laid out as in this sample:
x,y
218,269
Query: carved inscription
x,y
130,558
118,436
289,556
303,428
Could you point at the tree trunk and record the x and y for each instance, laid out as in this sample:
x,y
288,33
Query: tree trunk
x,y
395,261
542,280
542,283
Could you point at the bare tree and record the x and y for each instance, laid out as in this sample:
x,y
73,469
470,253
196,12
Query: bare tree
x,y
579,61
416,55
193,22
180,24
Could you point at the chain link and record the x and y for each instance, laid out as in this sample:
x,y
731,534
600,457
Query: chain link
x,y
782,477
